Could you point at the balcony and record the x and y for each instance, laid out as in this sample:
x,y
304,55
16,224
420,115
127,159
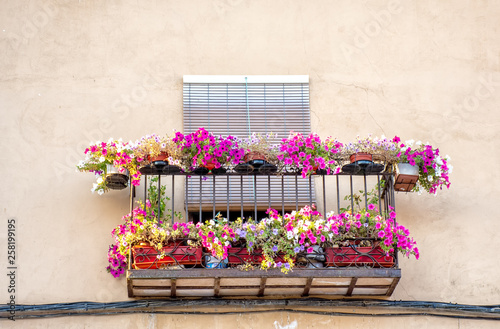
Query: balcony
x,y
353,268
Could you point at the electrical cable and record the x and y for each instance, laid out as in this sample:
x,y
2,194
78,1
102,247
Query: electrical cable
x,y
422,308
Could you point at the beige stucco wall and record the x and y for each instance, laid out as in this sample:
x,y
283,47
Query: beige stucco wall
x,y
80,71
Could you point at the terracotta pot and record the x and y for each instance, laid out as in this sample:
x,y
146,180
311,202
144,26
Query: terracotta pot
x,y
145,256
161,157
210,165
250,156
361,156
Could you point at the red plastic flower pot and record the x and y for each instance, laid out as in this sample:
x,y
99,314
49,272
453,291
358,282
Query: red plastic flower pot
x,y
361,156
146,257
358,256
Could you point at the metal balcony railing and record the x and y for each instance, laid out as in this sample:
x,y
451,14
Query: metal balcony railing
x,y
356,267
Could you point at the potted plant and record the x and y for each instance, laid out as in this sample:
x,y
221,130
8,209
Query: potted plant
x,y
217,235
265,244
203,149
157,151
112,162
259,153
309,153
365,153
151,240
367,236
421,167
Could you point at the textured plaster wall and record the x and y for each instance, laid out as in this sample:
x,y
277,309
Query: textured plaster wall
x,y
81,71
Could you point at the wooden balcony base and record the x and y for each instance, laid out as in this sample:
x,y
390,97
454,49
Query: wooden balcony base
x,y
201,282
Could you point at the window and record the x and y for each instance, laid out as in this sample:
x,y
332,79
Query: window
x,y
239,106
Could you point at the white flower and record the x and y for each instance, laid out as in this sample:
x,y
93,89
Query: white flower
x,y
100,192
409,142
100,180
102,159
429,178
418,143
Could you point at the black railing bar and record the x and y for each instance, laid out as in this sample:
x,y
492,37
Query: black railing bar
x,y
131,199
338,195
366,196
310,192
379,196
255,196
201,197
173,199
186,198
227,197
213,196
296,193
159,197
269,190
145,190
324,196
241,193
229,172
282,195
352,197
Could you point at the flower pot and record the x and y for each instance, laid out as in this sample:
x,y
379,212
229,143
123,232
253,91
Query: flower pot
x,y
353,256
214,262
361,156
316,258
256,159
175,254
160,160
406,177
115,179
362,163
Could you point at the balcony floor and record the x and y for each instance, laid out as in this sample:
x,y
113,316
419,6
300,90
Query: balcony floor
x,y
232,282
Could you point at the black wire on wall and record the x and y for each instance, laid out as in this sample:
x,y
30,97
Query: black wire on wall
x,y
384,308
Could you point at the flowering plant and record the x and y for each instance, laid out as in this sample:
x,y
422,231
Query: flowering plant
x,y
202,147
151,146
216,235
261,144
310,153
373,145
142,226
369,223
269,237
113,152
434,170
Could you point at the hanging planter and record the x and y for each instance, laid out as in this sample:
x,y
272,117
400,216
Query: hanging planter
x,y
406,177
172,255
362,163
115,179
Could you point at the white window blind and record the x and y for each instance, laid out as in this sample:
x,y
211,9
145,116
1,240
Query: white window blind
x,y
239,106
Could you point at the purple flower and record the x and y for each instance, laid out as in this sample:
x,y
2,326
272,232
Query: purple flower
x,y
275,248
275,231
